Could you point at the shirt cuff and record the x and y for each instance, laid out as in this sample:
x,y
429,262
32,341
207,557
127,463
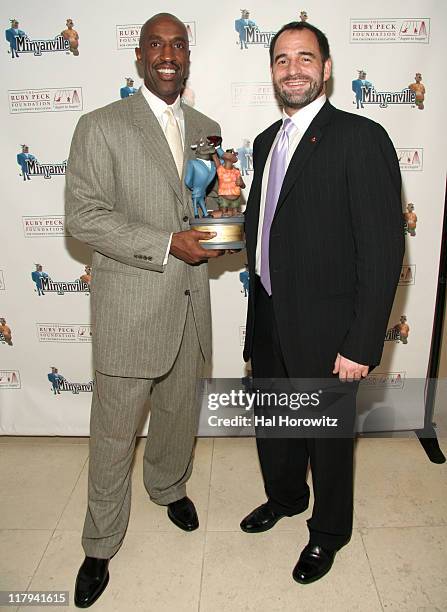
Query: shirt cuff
x,y
165,260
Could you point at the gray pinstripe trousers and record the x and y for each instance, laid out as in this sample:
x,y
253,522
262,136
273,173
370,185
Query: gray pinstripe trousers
x,y
118,407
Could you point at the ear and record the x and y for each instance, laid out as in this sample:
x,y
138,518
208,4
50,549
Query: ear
x,y
138,54
327,70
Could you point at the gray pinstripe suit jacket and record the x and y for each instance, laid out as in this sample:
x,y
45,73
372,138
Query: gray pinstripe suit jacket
x,y
123,198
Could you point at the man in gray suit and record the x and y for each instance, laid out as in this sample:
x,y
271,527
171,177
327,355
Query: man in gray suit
x,y
126,198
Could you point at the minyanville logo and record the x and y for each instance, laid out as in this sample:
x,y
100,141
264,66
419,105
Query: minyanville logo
x,y
366,93
44,283
31,167
59,384
399,332
249,33
19,41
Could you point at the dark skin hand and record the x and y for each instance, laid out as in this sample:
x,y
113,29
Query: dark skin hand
x,y
185,246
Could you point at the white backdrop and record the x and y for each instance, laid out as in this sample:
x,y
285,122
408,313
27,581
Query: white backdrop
x,y
46,92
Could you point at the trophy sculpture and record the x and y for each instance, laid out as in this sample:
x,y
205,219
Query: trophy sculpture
x,y
227,221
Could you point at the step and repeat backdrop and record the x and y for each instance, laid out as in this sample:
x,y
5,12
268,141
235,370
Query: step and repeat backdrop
x,y
69,58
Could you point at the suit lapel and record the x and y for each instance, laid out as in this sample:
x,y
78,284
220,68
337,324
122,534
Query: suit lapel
x,y
307,146
155,142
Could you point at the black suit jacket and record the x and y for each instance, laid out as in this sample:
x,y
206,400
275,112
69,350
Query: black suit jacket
x,y
336,242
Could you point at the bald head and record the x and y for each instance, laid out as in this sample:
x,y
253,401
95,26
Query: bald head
x,y
154,19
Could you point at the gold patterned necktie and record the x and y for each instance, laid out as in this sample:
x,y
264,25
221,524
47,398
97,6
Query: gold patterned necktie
x,y
174,138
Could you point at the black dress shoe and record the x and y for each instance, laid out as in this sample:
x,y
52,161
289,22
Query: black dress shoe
x,y
313,564
183,514
92,579
261,519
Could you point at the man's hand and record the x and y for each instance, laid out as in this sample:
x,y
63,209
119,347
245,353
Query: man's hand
x,y
348,370
185,246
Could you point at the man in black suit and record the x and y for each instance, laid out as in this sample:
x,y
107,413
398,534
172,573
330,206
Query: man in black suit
x,y
324,249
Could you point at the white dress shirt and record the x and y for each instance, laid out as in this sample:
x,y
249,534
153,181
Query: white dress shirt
x,y
158,106
302,119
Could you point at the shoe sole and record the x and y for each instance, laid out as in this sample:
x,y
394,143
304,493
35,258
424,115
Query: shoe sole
x,y
181,525
96,597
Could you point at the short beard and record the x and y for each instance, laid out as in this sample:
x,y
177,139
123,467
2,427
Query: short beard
x,y
297,101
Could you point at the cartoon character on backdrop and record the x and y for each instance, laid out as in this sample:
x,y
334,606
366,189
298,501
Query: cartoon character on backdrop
x,y
303,16
87,276
129,89
37,277
200,172
404,329
245,154
5,331
189,32
56,380
230,183
410,218
357,86
244,277
11,36
419,90
240,26
188,96
72,36
22,158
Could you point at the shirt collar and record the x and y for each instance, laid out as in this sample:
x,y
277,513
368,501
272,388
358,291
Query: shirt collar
x,y
304,117
158,106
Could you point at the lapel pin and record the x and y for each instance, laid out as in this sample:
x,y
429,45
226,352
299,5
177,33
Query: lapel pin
x,y
313,139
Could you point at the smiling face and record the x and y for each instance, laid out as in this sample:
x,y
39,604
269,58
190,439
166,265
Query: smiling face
x,y
164,55
298,72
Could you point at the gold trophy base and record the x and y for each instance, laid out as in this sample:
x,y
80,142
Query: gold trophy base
x,y
229,232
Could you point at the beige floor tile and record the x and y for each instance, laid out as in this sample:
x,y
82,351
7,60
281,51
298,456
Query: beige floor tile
x,y
21,551
74,512
409,565
36,482
146,516
36,440
237,487
397,485
152,571
253,572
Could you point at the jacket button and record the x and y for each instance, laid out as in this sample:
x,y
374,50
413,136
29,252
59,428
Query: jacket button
x,y
185,218
187,292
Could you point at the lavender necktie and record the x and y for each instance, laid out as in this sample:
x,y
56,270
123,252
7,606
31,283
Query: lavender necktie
x,y
278,167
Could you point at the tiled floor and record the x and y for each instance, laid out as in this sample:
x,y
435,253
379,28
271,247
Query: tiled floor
x,y
397,558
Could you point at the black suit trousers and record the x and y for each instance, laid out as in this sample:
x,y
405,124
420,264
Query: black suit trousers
x,y
285,461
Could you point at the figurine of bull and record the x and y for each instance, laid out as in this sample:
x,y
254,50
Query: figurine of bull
x,y
200,172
